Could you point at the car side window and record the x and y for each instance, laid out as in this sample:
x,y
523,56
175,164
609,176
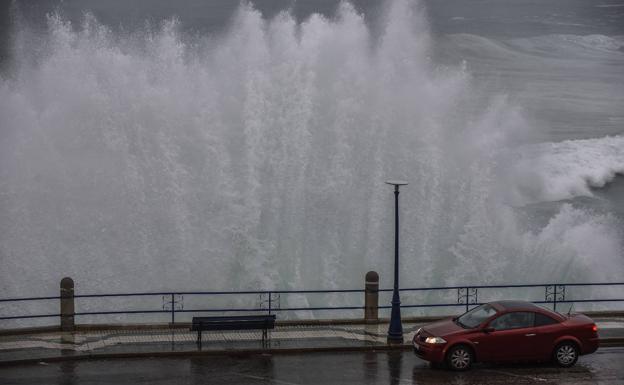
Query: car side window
x,y
515,320
543,320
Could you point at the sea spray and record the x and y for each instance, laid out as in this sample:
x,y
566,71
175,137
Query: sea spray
x,y
256,160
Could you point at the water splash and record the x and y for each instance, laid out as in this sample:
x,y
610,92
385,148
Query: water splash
x,y
256,160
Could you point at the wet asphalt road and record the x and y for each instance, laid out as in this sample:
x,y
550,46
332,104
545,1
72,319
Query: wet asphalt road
x,y
603,367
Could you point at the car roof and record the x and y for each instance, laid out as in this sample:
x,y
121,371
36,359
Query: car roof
x,y
505,306
515,305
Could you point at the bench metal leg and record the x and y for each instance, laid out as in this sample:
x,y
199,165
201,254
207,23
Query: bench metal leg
x,y
266,342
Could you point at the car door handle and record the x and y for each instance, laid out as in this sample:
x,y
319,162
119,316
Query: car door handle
x,y
530,335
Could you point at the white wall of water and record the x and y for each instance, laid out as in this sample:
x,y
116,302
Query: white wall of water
x,y
256,159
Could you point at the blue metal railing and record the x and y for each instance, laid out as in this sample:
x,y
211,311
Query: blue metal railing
x,y
467,296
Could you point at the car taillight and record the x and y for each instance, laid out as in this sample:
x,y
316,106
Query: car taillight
x,y
594,328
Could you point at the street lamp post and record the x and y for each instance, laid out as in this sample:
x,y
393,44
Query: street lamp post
x,y
395,331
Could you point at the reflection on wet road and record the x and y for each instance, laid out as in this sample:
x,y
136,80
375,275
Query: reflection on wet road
x,y
603,367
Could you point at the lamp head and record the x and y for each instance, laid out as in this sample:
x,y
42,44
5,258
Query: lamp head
x,y
396,182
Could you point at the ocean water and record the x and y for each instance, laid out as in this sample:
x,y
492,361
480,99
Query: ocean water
x,y
222,146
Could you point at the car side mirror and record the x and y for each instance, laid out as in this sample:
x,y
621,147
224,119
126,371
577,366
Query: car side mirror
x,y
488,329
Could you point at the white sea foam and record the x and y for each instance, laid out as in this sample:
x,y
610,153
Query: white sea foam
x,y
576,45
564,170
558,46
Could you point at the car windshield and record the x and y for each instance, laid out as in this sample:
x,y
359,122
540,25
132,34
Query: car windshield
x,y
476,316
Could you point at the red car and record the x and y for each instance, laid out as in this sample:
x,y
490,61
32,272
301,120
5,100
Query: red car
x,y
507,331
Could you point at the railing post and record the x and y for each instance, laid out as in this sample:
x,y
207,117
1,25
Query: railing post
x,y
555,303
371,297
270,295
554,293
67,304
172,309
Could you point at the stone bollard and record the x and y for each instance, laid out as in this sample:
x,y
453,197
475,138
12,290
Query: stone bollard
x,y
371,297
67,304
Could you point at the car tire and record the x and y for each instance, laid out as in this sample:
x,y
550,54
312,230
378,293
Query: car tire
x,y
566,354
459,358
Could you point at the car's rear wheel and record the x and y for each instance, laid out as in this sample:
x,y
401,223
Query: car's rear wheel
x,y
459,358
566,354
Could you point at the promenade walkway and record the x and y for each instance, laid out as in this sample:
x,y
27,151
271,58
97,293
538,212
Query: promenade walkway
x,y
154,341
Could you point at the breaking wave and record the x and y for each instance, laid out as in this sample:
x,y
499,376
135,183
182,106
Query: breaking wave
x,y
564,170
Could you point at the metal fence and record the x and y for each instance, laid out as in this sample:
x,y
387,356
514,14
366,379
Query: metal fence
x,y
269,301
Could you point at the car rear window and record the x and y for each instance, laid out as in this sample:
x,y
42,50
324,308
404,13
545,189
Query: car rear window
x,y
542,320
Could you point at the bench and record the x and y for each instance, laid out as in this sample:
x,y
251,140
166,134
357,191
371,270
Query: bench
x,y
242,322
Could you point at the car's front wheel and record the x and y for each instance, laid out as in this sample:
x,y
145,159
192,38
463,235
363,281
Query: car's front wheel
x,y
566,354
459,358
